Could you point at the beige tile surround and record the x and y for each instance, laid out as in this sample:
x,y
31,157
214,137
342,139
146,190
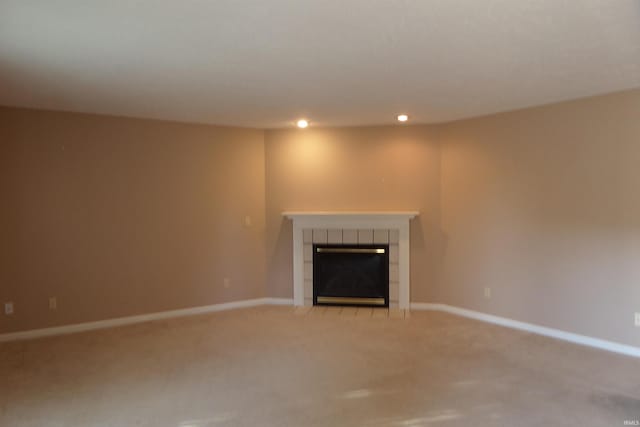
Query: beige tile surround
x,y
351,236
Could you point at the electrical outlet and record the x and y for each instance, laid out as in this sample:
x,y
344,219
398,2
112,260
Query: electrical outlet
x,y
487,293
227,282
638,319
8,308
248,222
53,303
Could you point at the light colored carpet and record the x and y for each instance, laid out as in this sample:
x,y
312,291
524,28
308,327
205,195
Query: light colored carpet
x,y
271,366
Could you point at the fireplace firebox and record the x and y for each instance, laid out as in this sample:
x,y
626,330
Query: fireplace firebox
x,y
356,275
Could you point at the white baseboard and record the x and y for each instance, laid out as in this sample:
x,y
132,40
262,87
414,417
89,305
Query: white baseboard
x,y
529,327
129,320
278,301
502,321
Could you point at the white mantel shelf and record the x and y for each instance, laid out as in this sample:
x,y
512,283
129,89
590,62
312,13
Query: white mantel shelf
x,y
392,214
392,220
348,219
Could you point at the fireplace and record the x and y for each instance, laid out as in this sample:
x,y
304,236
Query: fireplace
x,y
351,275
351,228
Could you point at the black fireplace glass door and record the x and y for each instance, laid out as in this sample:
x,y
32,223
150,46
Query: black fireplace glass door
x,y
359,272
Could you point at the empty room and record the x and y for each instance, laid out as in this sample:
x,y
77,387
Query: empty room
x,y
376,213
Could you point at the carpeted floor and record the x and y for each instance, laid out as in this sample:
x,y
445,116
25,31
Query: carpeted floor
x,y
273,366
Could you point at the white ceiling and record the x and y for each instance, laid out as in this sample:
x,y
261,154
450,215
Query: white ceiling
x,y
264,63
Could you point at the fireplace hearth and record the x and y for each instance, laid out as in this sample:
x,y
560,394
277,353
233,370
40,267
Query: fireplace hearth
x,y
351,275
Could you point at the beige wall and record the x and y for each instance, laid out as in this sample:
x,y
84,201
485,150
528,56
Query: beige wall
x,y
374,168
118,216
543,206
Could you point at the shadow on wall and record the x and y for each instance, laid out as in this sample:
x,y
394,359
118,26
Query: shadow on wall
x,y
428,248
280,261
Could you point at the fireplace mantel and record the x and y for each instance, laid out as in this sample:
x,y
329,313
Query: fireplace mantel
x,y
351,220
330,218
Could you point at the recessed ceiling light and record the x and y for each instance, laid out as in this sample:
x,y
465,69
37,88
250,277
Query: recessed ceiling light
x,y
403,117
302,123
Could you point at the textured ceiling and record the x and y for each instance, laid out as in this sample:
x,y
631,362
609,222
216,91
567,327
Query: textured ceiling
x,y
264,63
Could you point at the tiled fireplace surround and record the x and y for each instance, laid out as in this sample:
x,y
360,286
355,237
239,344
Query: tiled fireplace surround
x,y
390,228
